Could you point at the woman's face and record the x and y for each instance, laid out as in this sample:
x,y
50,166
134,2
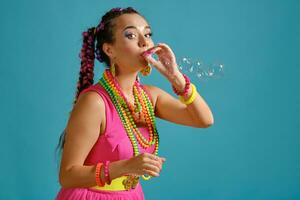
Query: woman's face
x,y
132,38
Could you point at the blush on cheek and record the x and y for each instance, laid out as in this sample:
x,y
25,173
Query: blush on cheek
x,y
128,50
131,55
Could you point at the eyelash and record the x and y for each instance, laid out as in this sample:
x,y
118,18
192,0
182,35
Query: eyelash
x,y
150,34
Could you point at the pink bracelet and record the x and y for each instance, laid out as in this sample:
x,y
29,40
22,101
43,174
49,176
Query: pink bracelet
x,y
186,88
106,172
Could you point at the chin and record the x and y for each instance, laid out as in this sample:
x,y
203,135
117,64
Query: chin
x,y
138,66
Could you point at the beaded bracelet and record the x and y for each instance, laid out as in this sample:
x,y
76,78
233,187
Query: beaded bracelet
x,y
106,172
186,87
192,96
98,174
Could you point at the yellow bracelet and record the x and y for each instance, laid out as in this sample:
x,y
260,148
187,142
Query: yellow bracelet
x,y
191,98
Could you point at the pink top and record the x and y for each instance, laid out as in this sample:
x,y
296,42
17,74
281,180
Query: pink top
x,y
113,144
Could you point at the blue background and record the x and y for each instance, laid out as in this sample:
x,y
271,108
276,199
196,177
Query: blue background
x,y
251,151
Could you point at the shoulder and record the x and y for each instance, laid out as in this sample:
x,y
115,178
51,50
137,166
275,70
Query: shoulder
x,y
85,117
89,100
154,91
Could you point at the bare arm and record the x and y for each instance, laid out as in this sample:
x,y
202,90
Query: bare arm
x,y
196,114
199,111
82,132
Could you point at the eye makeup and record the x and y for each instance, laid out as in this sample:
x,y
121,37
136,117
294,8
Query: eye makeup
x,y
129,34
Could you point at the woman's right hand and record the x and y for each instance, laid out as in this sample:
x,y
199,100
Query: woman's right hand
x,y
145,163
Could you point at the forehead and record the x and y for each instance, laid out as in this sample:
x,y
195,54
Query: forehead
x,y
130,20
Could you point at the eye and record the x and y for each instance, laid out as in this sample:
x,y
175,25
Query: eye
x,y
130,35
150,34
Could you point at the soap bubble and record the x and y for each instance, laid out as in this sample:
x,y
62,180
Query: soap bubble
x,y
197,69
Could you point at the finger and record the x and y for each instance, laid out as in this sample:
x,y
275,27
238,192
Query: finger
x,y
152,50
157,158
150,59
152,167
151,173
155,50
156,163
153,157
163,46
163,159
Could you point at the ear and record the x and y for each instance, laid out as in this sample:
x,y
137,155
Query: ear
x,y
108,49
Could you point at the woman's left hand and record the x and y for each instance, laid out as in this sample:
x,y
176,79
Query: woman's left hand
x,y
166,63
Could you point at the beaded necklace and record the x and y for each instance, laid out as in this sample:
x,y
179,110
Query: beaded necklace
x,y
137,106
121,104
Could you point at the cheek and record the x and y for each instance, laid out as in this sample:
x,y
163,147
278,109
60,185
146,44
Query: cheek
x,y
129,54
129,49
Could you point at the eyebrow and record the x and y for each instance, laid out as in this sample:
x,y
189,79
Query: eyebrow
x,y
127,27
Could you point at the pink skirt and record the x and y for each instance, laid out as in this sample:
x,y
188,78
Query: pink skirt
x,y
93,194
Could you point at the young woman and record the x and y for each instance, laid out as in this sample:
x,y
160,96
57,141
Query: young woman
x,y
111,142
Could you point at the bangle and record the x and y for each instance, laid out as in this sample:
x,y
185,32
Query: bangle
x,y
98,174
191,98
106,172
186,87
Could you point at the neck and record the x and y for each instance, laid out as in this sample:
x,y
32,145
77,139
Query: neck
x,y
126,81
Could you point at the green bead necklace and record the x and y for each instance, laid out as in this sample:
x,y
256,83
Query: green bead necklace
x,y
121,104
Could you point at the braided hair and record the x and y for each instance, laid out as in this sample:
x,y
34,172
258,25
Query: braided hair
x,y
102,33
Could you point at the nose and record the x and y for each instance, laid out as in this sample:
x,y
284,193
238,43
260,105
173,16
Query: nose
x,y
143,42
